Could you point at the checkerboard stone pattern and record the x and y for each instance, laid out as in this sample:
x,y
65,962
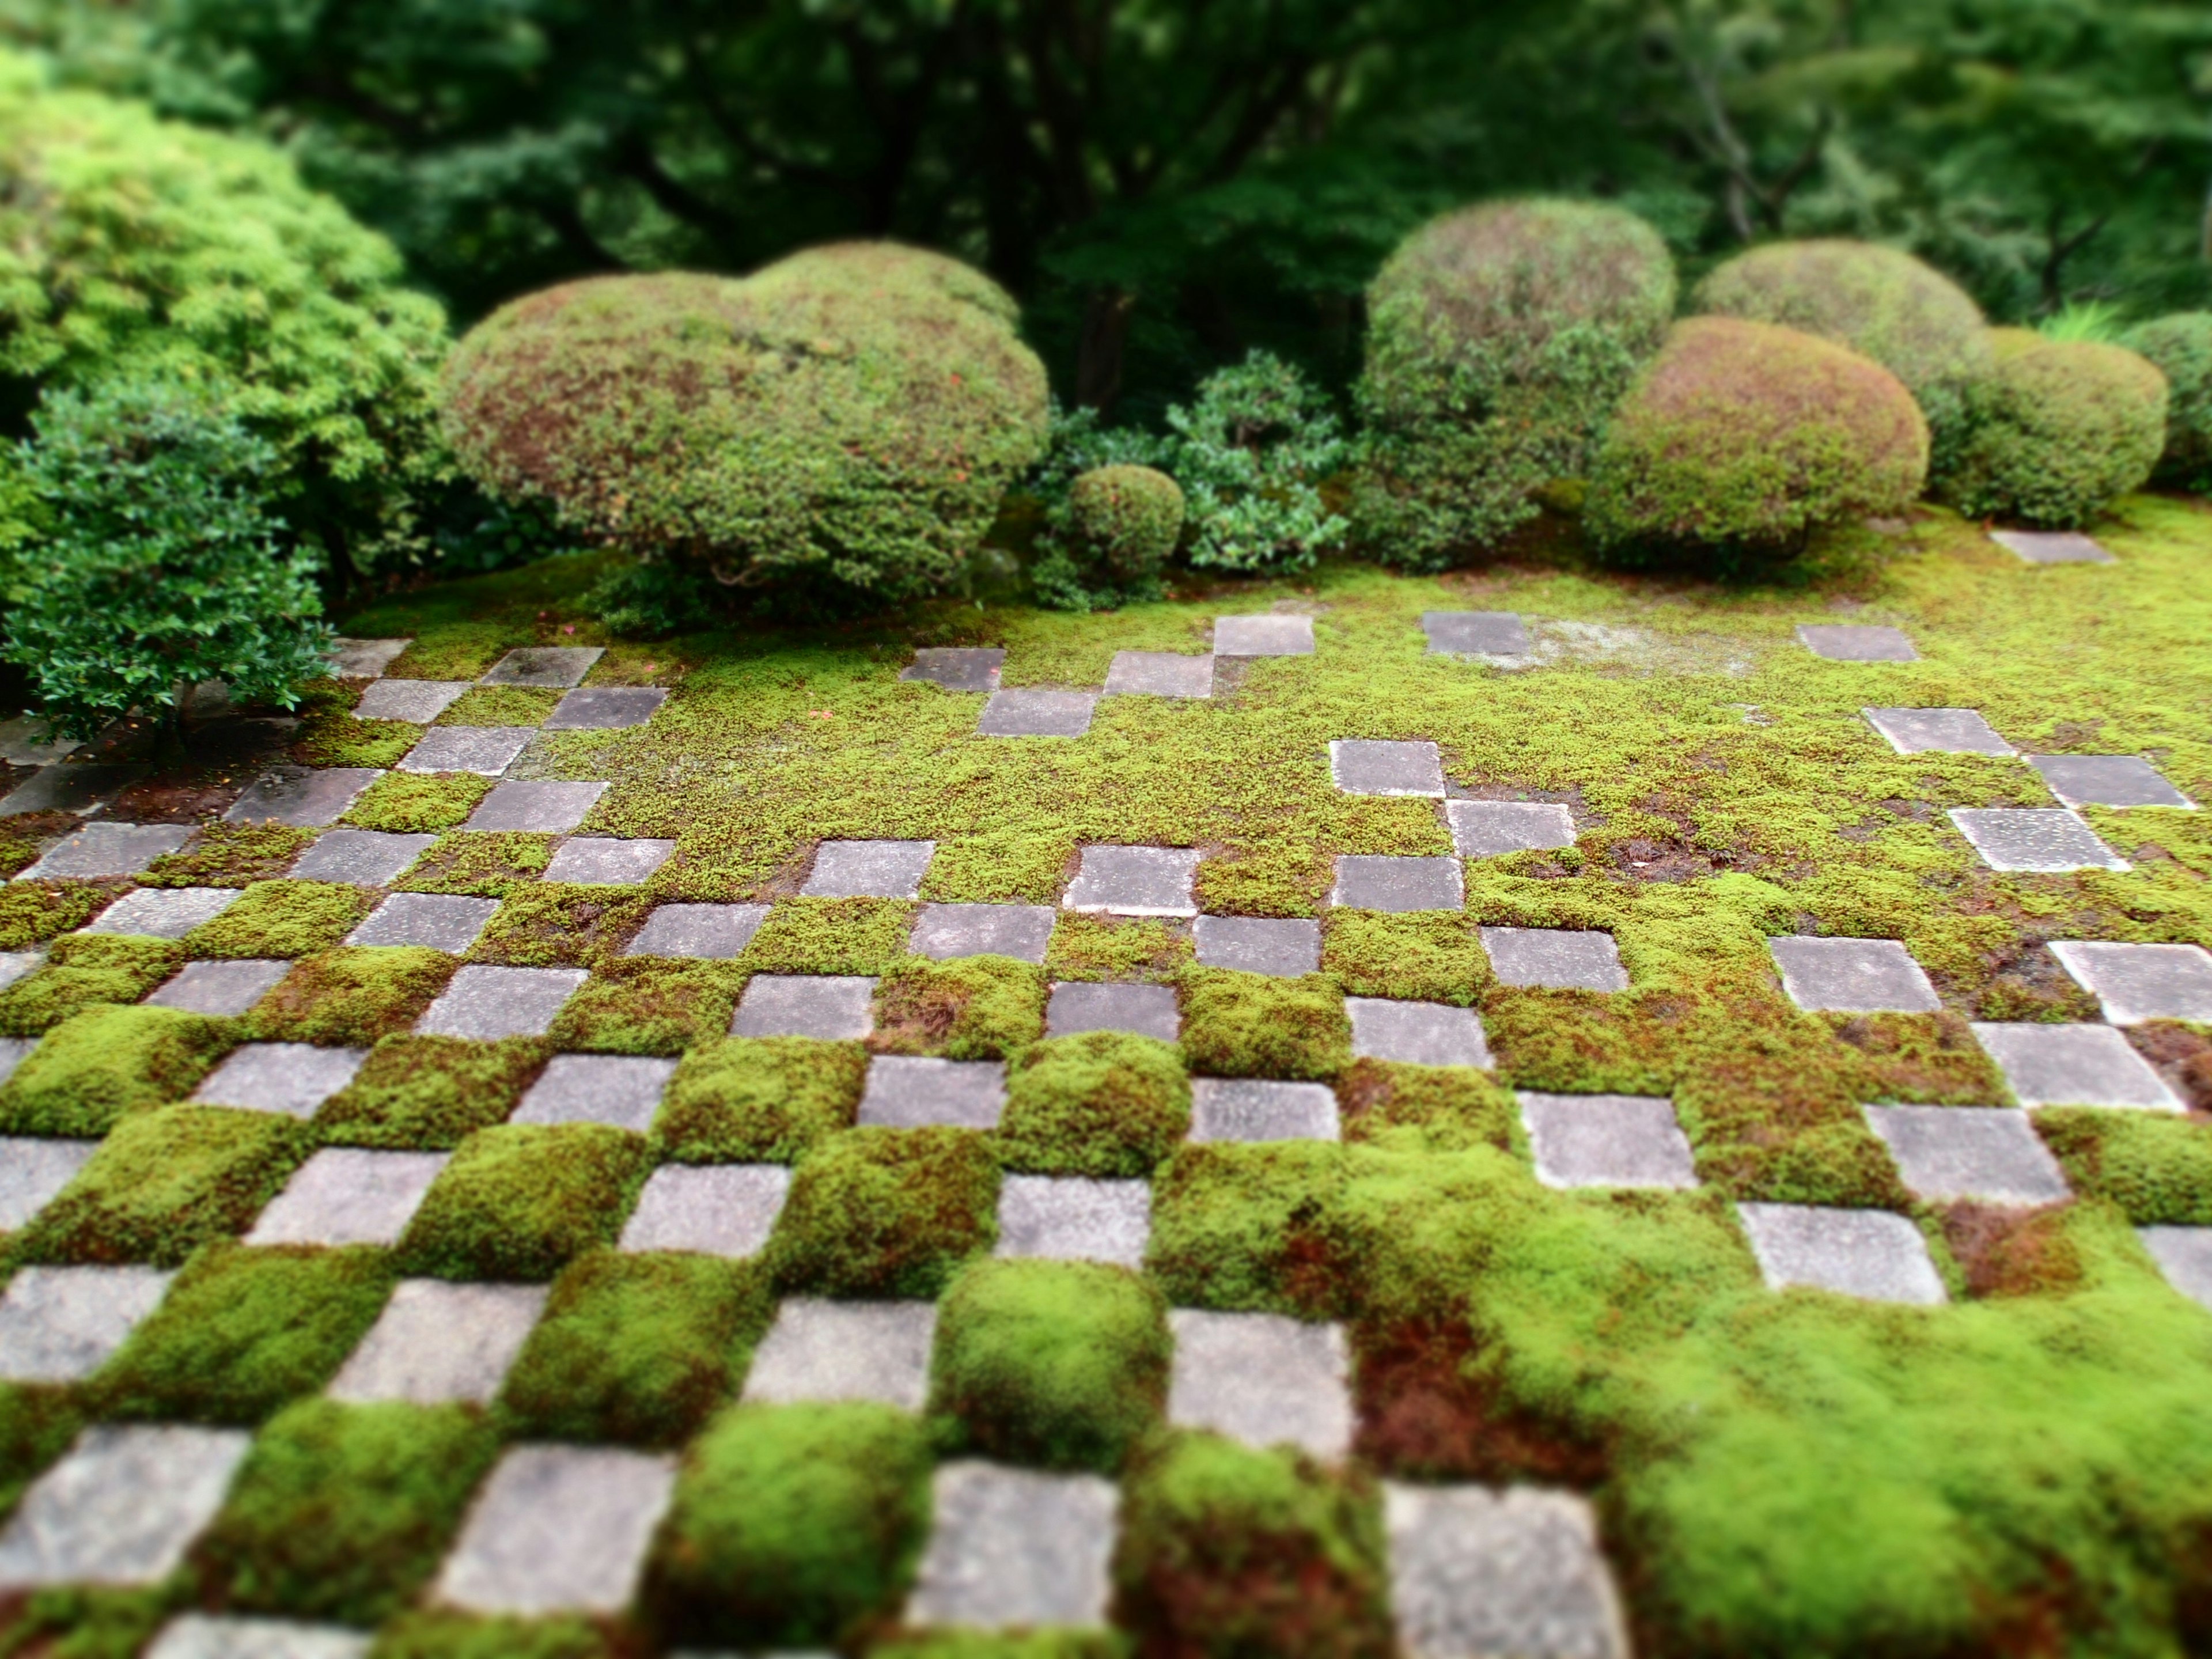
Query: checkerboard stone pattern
x,y
957,668
487,1003
620,1089
869,869
487,750
121,1507
718,932
1399,885
1253,1108
1491,828
2184,1256
1068,1219
944,931
547,808
558,1530
1843,642
1476,1570
1263,636
437,1342
1607,1141
833,1006
364,659
715,1209
2107,781
607,861
60,1324
1416,1033
2044,838
1872,1254
909,1091
442,921
366,858
1852,975
1037,712
2051,547
1080,1005
204,1635
164,912
1365,766
349,1195
32,1172
104,849
1134,881
1262,1379
1990,1154
303,798
220,987
1015,1548
294,1079
2074,1066
1564,959
1937,731
1159,674
416,701
605,709
551,666
819,1350
1257,944
2136,982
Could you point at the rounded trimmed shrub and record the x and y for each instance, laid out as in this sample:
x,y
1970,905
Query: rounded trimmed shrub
x,y
853,413
1746,436
1126,519
2180,347
2059,429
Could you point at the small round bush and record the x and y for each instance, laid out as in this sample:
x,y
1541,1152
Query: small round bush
x,y
852,414
2059,430
2180,347
1126,519
1749,436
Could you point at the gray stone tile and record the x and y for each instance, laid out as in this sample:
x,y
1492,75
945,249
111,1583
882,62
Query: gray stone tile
x,y
419,701
1036,711
2074,1066
2107,781
1075,1220
164,912
547,808
942,931
606,707
910,1092
544,665
1134,881
1607,1141
957,668
1489,829
1475,632
349,1195
869,869
819,1350
1261,1379
1080,1005
1476,1570
14,965
1989,1153
1416,1033
835,1006
77,786
1366,766
2051,547
206,1636
105,849
437,1341
1259,944
1937,731
622,1090
2184,1256
1872,1254
715,1209
2044,838
305,797
2136,982
607,861
291,1078
1159,674
27,740
366,858
1560,958
1371,881
713,930
60,1324
32,1172
558,1530
220,987
1011,1547
500,1002
488,750
1257,1108
443,921
357,660
14,1051
1839,642
1263,636
1852,975
121,1508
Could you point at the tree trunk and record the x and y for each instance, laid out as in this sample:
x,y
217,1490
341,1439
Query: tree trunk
x,y
1099,354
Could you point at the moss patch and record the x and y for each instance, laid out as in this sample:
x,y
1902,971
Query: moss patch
x,y
1254,1025
501,705
831,936
102,1062
229,855
2158,1169
886,1213
970,1008
32,912
354,995
84,968
520,1201
560,924
418,803
1257,1228
1430,957
464,1636
649,1005
1105,1103
283,919
480,864
1114,947
336,739
430,1093
754,1100
1451,1106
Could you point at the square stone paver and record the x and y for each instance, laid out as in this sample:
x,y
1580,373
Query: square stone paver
x,y
714,1209
2051,547
1263,636
488,750
2184,1256
819,1350
163,912
2074,1066
60,1324
1036,711
558,1530
1567,959
291,1078
1367,766
1159,674
716,931
32,1170
1134,881
2045,838
835,1006
206,1636
908,1091
121,1508
1489,829
1416,1033
1476,634
957,668
1607,1141
1262,1379
1872,1254
869,869
1011,1547
14,1051
14,965
443,921
942,931
358,659
2107,781
606,707
220,987
1843,642
623,1090
366,858
1081,1006
1255,1108
548,666
607,861
306,798
1937,731
1259,944
417,702
437,1341
1368,881
547,808
500,1002
77,788
1852,975
349,1195
1476,1571
1988,1154
1075,1220
105,849
2136,982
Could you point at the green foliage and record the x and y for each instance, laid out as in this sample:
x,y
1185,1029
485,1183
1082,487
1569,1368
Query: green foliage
x,y
1250,453
1452,1106
1100,1104
521,1200
103,1062
84,968
440,1635
2157,1169
982,1008
229,855
745,1100
430,1093
1254,1229
2092,319
418,803
886,1213
1108,535
282,919
2058,431
353,996
2180,347
1236,1024
649,1005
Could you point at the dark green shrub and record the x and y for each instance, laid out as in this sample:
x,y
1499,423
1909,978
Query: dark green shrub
x,y
750,1100
430,1093
2180,347
1126,519
103,1062
2058,430
968,1008
1251,452
84,968
521,1200
886,1213
1746,436
1103,1103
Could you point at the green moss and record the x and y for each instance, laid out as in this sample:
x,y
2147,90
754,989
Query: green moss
x,y
831,936
418,803
463,1636
1104,1103
520,1201
2157,1169
430,1093
649,1005
970,1008
38,1421
1255,1025
84,968
229,855
32,912
343,1512
166,1182
102,1062
283,919
792,1526
1055,1365
559,925
886,1213
638,1350
742,1100
88,1623
1111,947
1451,1107
329,738
1427,957
500,705
1256,1228
480,864
354,995
2058,431
996,1644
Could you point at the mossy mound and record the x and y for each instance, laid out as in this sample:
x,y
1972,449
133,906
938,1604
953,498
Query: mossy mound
x,y
1125,520
229,855
2180,347
2058,431
103,1062
82,969
886,1213
1099,1104
282,919
521,1200
418,803
430,1093
649,1005
354,995
748,1100
1236,1024
970,1008
2157,1169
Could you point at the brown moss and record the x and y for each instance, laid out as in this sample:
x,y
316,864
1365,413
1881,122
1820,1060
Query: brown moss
x,y
2008,1251
970,1008
560,924
353,995
1429,1409
649,1005
230,855
2182,1055
480,864
1455,1106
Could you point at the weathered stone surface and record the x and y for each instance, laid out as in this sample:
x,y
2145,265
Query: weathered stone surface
x,y
544,665
1080,1005
1371,881
1259,944
869,869
1607,1141
2051,547
716,1209
437,1341
358,659
442,921
1416,1033
164,912
1255,1109
26,740
104,849
558,1530
14,964
820,1350
366,858
1840,642
1475,632
606,707
2183,1254
942,931
909,1091
349,1195
2107,781
291,1078
500,1002
486,749
121,1508
1852,975
2074,1066
835,1007
622,1090
547,808
60,1324
1489,829
1990,1154
1134,881
1477,1571
2045,838
1262,1379
32,1172
957,668
1075,1220
204,1636
418,702
1872,1254
1365,766
1562,958
718,932
607,861
1159,674
220,987
1011,1548
1938,731
1037,711
2136,982
1263,636
77,786
306,798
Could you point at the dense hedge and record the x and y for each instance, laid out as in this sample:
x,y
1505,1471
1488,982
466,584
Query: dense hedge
x,y
2180,347
1744,435
1125,519
2057,431
854,412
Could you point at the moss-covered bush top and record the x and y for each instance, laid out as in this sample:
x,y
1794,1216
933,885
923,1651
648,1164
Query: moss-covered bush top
x,y
1126,518
2180,347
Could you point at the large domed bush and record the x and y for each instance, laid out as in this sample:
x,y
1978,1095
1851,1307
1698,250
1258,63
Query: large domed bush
x,y
2180,347
1744,435
2057,431
1500,337
853,413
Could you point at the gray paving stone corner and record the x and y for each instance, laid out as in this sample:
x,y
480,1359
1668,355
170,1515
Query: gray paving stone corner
x,y
303,798
910,1092
1872,1254
1037,712
366,858
548,666
869,869
437,1341
547,808
121,1507
2137,982
442,921
2074,1066
1560,958
1263,636
942,931
1477,1571
1159,674
1400,885
818,1350
1416,1033
163,912
487,1003
716,931
61,1324
1491,828
1262,1379
1852,975
2044,838
1607,1141
624,1091
1013,1547
1069,1219
291,1078
558,1530
1285,947
715,1209
1990,1154
1365,766
606,707
1255,1108
832,1006
1083,1006
349,1195
1134,881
